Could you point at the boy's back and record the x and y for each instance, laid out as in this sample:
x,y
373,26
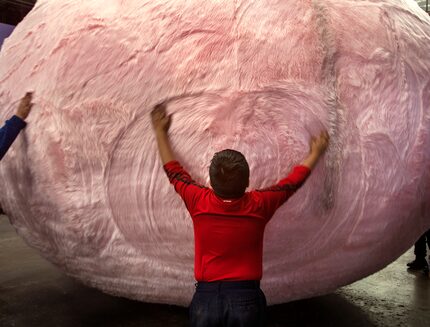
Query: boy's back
x,y
228,233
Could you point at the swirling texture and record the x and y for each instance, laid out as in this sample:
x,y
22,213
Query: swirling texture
x,y
83,183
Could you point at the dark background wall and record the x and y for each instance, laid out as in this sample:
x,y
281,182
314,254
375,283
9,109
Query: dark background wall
x,y
13,11
5,31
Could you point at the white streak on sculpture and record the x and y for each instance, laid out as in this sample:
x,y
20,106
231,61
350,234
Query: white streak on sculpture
x,y
85,187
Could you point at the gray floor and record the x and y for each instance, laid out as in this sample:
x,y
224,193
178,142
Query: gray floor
x,y
34,293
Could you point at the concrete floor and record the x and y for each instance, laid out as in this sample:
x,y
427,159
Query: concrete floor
x,y
34,293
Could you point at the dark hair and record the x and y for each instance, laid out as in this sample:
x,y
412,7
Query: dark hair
x,y
229,174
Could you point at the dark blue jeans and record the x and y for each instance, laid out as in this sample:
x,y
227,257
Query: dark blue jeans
x,y
228,304
420,246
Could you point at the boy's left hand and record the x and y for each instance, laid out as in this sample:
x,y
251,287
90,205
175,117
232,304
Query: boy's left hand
x,y
160,120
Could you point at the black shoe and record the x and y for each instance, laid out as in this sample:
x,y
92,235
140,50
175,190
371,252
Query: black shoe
x,y
418,264
412,262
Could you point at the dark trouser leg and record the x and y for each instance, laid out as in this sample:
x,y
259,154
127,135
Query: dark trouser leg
x,y
228,304
420,247
204,309
427,234
245,308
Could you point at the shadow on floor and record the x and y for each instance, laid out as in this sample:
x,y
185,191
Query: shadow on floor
x,y
33,293
329,311
65,303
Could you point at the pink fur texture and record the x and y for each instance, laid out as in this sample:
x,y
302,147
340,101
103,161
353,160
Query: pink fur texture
x,y
83,183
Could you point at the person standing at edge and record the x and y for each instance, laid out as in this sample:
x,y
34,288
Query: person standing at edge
x,y
14,125
420,251
228,228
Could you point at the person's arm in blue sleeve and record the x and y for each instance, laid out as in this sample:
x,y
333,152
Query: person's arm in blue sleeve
x,y
13,126
9,132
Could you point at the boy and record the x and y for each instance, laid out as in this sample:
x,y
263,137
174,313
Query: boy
x,y
228,229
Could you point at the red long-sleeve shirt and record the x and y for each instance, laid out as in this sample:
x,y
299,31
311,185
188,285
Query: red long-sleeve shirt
x,y
228,234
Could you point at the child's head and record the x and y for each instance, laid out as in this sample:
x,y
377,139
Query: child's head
x,y
229,174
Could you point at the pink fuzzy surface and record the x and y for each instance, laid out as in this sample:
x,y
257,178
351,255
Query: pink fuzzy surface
x,y
83,183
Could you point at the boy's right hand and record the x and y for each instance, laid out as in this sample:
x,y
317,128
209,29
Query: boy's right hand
x,y
160,120
317,147
319,144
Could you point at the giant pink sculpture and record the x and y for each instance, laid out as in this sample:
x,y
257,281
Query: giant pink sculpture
x,y
84,186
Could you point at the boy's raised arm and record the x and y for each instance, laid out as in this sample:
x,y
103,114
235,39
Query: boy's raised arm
x,y
273,197
161,123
